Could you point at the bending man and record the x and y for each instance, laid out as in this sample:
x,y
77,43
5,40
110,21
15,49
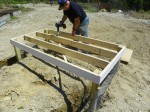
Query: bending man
x,y
76,15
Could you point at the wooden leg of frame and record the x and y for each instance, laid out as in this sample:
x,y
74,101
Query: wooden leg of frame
x,y
18,53
94,97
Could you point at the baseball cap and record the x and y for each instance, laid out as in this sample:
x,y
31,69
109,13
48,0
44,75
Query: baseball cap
x,y
61,3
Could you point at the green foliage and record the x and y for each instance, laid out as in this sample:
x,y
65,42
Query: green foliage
x,y
138,4
91,10
114,10
13,17
22,1
88,7
21,107
13,1
23,9
148,12
130,4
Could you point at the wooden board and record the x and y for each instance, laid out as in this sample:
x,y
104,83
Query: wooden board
x,y
126,56
125,59
88,40
83,46
87,58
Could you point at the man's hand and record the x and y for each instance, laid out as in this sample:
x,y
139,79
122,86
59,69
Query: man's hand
x,y
60,24
74,32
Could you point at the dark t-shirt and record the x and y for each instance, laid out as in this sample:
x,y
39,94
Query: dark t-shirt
x,y
75,11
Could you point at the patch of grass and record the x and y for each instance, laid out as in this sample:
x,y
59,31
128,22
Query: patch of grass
x,y
13,2
148,12
88,7
21,107
91,10
13,17
141,15
114,10
23,9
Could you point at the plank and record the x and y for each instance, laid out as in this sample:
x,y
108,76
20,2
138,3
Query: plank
x,y
58,62
87,58
93,49
126,56
87,40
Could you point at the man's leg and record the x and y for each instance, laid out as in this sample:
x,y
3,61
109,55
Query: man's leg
x,y
83,28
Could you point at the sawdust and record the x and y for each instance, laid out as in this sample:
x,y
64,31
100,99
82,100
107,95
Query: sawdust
x,y
35,86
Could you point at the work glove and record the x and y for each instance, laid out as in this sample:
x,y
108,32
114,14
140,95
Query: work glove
x,y
60,24
74,32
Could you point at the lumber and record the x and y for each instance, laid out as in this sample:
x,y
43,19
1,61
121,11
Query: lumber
x,y
88,40
87,58
126,56
83,46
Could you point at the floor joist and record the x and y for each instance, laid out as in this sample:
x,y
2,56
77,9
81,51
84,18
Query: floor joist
x,y
83,57
69,42
86,40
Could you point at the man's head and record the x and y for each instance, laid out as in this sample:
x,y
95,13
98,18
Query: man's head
x,y
63,4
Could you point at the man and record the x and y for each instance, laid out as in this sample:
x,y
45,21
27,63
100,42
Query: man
x,y
76,15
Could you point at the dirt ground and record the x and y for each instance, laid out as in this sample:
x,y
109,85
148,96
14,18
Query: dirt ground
x,y
32,85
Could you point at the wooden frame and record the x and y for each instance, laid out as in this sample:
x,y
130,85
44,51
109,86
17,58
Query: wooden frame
x,y
58,44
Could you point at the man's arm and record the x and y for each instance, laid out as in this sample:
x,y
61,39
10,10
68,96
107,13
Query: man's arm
x,y
76,23
64,18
